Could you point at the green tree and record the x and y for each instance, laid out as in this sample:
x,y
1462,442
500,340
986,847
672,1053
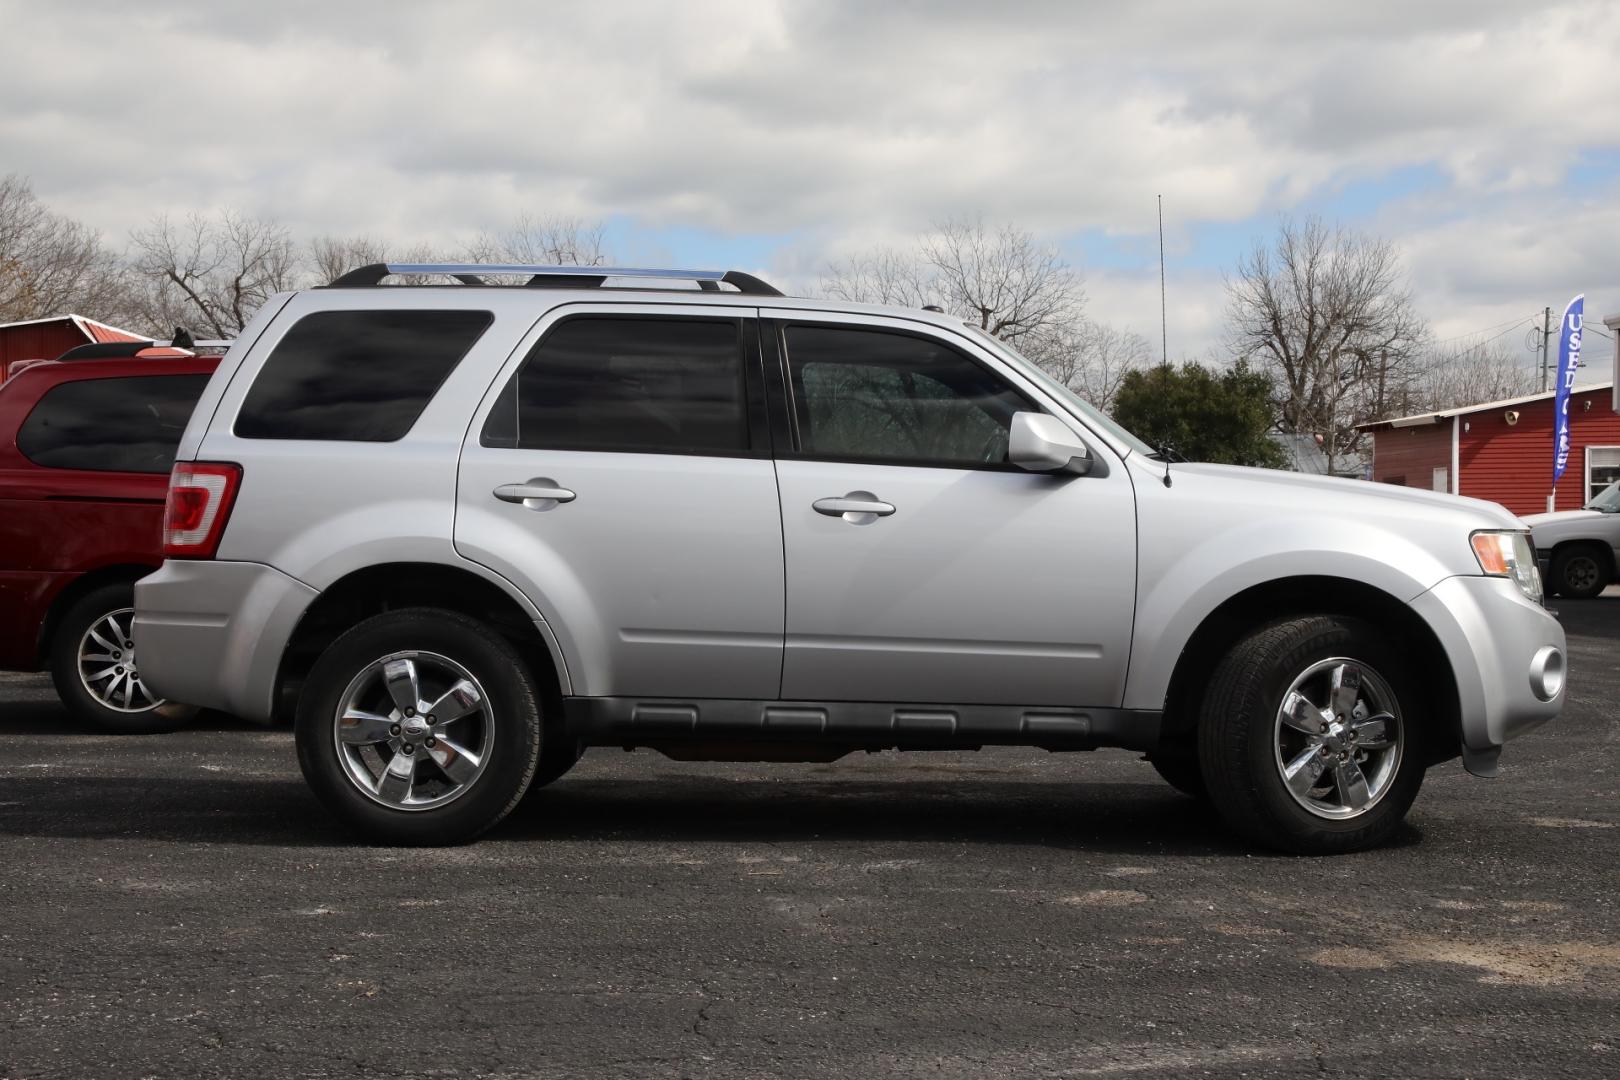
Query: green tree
x,y
1203,414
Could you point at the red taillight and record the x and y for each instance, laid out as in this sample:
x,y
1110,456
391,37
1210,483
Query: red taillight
x,y
200,498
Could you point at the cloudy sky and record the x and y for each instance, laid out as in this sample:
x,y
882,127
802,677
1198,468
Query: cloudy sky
x,y
1482,136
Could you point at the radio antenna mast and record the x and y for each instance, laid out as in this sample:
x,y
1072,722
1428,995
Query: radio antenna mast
x,y
1164,322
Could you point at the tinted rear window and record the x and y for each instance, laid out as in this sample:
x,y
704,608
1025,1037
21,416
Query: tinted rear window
x,y
356,376
638,385
111,425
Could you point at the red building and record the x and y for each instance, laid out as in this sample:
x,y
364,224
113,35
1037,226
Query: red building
x,y
1503,450
46,339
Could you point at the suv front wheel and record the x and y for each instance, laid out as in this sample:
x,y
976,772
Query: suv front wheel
x,y
1306,737
419,726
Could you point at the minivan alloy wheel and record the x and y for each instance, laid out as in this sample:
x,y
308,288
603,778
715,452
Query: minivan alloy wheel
x,y
413,730
107,665
1339,738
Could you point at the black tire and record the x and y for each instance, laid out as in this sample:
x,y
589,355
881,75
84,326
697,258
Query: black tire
x,y
70,632
511,695
557,757
1183,773
1237,736
1579,571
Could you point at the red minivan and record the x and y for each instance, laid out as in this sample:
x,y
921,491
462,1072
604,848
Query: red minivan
x,y
86,445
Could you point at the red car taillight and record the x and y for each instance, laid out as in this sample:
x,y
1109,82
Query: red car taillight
x,y
199,503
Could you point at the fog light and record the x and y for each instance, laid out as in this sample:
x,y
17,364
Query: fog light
x,y
1547,672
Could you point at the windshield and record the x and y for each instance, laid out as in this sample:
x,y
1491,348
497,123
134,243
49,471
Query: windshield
x,y
1607,500
1086,409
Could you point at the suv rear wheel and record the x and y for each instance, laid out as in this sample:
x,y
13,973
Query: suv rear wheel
x,y
419,726
1306,739
93,667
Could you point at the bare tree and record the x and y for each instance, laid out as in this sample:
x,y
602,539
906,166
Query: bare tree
x,y
1008,284
883,275
212,272
1326,312
1005,281
546,241
330,257
1470,374
51,264
1090,358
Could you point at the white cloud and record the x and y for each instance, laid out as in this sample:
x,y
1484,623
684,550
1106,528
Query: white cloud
x,y
841,124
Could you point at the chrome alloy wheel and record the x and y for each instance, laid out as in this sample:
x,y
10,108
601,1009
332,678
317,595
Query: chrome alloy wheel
x,y
413,730
1339,738
107,665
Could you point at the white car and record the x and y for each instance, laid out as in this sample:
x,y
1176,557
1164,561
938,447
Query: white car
x,y
1577,548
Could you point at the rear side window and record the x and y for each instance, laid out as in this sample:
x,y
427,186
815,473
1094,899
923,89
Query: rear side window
x,y
111,425
356,376
672,386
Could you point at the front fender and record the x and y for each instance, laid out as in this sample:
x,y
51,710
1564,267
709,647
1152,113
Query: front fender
x,y
1181,586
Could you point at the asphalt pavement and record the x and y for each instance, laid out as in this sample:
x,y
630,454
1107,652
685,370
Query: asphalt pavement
x,y
179,905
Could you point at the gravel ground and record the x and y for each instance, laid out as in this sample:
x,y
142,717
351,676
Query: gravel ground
x,y
180,906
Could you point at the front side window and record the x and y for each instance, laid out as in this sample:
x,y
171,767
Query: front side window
x,y
129,424
356,376
636,385
867,395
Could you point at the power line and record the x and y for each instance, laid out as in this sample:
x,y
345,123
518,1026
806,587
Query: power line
x,y
1511,324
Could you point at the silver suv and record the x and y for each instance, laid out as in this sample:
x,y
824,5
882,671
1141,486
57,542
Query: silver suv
x,y
461,531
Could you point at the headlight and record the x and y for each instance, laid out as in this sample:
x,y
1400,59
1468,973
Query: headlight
x,y
1507,553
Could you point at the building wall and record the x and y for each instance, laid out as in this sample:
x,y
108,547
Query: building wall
x,y
38,341
1409,455
1512,463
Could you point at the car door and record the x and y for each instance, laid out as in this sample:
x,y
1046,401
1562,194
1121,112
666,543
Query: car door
x,y
921,565
619,473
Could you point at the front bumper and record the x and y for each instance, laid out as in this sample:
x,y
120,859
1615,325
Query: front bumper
x,y
1500,644
212,633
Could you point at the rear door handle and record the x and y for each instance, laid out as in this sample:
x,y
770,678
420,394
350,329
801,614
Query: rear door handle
x,y
857,508
540,493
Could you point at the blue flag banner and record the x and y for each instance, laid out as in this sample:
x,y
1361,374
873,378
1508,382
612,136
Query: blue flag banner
x,y
1569,358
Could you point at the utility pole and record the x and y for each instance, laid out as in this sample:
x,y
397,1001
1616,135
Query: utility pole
x,y
1546,333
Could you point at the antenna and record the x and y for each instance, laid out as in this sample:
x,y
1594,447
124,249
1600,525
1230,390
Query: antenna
x,y
1164,322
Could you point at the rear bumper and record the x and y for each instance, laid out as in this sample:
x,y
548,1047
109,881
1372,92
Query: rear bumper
x,y
1500,645
212,633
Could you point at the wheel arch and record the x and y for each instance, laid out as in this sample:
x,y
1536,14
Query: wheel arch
x,y
74,591
391,586
1604,552
1316,595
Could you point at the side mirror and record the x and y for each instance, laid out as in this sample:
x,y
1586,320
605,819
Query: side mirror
x,y
1041,443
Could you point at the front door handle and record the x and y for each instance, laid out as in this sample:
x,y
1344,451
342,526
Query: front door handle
x,y
857,508
540,493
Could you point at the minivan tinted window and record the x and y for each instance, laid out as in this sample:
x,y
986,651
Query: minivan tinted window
x,y
128,424
643,385
356,376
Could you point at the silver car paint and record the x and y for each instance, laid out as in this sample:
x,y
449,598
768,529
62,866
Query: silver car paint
x,y
1213,533
1219,530
1549,530
662,577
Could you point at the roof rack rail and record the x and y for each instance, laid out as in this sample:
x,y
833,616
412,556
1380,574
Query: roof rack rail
x,y
554,277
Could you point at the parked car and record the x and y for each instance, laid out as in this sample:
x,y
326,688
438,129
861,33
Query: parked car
x,y
1577,548
86,445
460,531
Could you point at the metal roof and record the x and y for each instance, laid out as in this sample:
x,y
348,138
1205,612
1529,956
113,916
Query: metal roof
x,y
1463,410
